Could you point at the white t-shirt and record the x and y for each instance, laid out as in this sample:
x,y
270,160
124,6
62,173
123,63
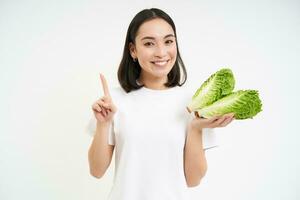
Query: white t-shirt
x,y
149,131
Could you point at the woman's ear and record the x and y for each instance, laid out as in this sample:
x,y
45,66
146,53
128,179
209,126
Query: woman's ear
x,y
132,50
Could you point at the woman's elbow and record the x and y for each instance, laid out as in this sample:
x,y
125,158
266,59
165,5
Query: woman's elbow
x,y
195,181
96,174
96,171
194,184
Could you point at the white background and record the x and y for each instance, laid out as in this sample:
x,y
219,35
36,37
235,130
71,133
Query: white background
x,y
51,53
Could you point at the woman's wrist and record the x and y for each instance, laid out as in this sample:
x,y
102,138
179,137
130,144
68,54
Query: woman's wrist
x,y
195,127
103,124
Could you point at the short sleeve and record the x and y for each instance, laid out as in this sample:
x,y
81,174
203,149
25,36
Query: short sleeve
x,y
209,138
91,130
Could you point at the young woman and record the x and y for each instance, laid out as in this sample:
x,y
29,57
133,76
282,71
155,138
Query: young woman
x,y
159,150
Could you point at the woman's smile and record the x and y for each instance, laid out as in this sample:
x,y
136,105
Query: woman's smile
x,y
161,63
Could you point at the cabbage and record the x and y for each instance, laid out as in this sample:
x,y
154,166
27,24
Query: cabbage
x,y
218,85
243,103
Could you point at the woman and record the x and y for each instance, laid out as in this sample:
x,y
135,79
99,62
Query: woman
x,y
159,150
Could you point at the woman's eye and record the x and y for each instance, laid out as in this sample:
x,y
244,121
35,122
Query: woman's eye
x,y
148,43
151,43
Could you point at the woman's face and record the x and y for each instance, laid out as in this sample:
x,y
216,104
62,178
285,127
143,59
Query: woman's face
x,y
155,48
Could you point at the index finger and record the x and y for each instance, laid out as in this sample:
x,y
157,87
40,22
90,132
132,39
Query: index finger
x,y
104,85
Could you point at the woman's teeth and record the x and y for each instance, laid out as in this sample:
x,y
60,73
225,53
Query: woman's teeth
x,y
160,63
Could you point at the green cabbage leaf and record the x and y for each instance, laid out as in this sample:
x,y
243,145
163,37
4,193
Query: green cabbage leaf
x,y
218,85
243,103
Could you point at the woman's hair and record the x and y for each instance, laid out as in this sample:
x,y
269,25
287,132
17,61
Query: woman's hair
x,y
129,71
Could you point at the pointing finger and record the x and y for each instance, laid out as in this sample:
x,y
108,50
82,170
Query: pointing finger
x,y
104,85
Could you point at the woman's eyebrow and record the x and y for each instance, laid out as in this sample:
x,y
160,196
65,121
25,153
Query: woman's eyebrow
x,y
152,38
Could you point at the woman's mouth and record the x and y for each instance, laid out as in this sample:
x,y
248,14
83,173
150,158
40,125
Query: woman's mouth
x,y
160,63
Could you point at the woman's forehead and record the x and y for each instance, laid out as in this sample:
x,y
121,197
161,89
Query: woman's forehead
x,y
155,28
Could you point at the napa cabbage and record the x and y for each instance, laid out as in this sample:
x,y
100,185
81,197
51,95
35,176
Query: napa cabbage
x,y
216,97
218,85
243,103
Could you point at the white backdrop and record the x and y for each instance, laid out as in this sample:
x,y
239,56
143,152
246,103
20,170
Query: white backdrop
x,y
51,53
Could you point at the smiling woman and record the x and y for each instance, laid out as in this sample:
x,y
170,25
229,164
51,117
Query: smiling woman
x,y
151,56
159,151
155,49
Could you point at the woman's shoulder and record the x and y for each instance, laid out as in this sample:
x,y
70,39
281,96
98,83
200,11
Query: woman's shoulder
x,y
187,89
117,93
118,90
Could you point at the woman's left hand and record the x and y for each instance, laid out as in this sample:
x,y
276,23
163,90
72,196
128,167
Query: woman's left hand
x,y
213,122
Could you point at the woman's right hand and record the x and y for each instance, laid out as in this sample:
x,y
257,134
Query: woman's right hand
x,y
104,108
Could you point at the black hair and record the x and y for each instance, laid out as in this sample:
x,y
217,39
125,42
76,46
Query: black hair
x,y
129,71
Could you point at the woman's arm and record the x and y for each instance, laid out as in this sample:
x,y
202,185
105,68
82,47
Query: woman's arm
x,y
195,164
100,152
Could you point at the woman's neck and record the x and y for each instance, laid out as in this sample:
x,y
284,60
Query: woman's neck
x,y
153,83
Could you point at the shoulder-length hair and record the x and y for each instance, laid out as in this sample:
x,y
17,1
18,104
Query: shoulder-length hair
x,y
129,71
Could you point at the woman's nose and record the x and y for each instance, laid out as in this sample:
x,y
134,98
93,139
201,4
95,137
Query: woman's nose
x,y
160,51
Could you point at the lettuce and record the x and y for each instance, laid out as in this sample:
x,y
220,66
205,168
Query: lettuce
x,y
216,97
243,103
215,87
